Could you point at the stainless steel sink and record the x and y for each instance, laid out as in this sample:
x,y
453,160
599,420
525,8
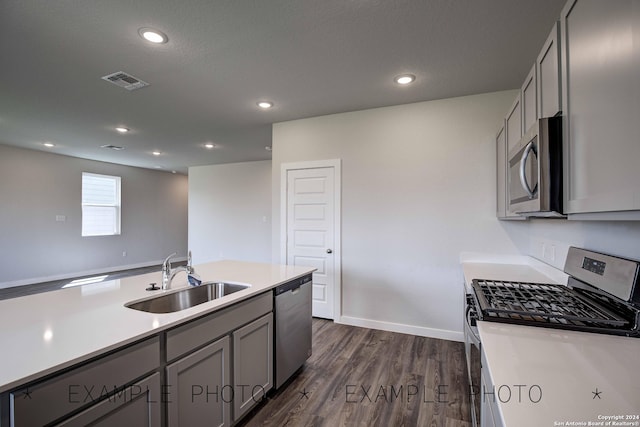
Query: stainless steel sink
x,y
186,298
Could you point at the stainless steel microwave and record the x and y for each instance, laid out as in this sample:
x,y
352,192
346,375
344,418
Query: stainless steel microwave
x,y
535,170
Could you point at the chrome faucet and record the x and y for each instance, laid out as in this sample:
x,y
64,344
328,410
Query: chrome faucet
x,y
169,273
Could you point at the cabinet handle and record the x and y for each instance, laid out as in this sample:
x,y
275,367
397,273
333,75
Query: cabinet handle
x,y
523,177
329,251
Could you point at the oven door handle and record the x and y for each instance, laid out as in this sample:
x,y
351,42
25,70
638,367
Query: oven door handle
x,y
471,328
523,176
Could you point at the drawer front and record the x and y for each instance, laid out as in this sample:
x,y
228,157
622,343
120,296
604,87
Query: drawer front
x,y
195,334
138,405
42,403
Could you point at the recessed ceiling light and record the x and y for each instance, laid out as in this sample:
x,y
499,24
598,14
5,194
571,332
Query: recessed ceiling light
x,y
122,129
156,153
174,172
265,104
152,35
158,167
405,79
49,144
209,146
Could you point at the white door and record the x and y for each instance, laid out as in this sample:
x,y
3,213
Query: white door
x,y
311,232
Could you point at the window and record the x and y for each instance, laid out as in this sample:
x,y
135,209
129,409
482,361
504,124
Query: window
x,y
100,205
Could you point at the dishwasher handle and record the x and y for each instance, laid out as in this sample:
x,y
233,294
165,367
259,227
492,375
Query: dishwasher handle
x,y
293,285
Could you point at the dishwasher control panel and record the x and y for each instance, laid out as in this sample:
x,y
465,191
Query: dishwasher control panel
x,y
293,284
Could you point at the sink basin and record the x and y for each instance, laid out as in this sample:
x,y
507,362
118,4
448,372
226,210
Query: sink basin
x,y
186,298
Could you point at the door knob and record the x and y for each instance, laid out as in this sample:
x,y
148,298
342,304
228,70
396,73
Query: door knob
x,y
329,251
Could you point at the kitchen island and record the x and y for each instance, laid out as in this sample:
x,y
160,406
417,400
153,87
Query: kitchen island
x,y
87,327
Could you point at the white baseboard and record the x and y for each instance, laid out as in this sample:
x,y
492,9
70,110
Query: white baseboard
x,y
72,275
402,328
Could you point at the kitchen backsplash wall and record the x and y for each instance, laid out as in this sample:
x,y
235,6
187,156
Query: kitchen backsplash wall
x,y
549,240
230,212
36,187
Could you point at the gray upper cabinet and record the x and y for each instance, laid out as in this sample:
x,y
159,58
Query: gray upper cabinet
x,y
529,100
502,206
601,105
513,127
548,76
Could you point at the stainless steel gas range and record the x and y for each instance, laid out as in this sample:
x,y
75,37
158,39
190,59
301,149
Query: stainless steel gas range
x,y
602,296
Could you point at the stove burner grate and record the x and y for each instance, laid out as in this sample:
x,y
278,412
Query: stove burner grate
x,y
533,303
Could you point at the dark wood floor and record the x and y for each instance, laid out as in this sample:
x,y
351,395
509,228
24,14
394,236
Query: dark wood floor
x,y
365,377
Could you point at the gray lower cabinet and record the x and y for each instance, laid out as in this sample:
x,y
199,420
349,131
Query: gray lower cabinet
x,y
199,388
601,91
252,364
102,384
137,405
221,364
218,367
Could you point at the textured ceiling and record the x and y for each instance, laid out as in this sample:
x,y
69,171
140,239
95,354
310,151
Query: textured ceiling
x,y
309,57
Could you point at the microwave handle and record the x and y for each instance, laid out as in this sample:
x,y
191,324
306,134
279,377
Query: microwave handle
x,y
523,177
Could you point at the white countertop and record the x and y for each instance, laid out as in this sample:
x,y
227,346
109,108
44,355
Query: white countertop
x,y
508,267
43,333
569,367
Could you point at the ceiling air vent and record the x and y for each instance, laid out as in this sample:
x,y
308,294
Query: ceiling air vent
x,y
125,80
112,147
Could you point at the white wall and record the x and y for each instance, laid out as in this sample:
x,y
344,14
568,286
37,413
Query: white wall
x,y
620,238
36,186
230,212
418,187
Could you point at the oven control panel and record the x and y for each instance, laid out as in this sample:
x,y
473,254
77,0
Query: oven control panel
x,y
594,266
617,276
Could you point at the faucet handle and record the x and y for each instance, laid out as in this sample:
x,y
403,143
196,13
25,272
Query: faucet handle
x,y
189,263
166,265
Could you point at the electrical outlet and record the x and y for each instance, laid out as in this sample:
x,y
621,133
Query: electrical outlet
x,y
61,218
124,253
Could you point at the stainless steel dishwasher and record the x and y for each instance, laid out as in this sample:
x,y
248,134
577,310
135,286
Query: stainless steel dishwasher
x,y
292,301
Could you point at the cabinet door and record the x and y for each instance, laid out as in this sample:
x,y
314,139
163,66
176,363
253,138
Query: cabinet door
x,y
199,390
136,405
501,174
514,125
601,102
83,386
252,364
548,75
528,96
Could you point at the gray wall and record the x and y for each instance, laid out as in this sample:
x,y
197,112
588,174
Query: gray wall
x,y
230,212
418,187
36,186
